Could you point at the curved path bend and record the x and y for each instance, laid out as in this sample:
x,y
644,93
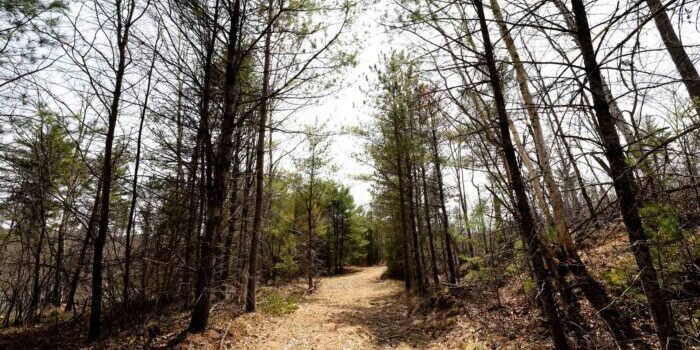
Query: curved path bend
x,y
357,310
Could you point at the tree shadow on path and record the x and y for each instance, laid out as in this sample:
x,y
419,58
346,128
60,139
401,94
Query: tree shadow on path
x,y
389,321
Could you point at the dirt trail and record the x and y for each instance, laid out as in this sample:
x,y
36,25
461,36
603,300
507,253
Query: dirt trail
x,y
357,310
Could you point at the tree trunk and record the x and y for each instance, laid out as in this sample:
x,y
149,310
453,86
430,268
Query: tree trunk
x,y
193,212
310,226
36,272
56,292
244,238
219,167
675,48
429,229
443,208
225,261
625,187
134,189
122,41
532,174
525,220
336,236
341,243
594,292
634,142
402,197
259,170
94,217
420,277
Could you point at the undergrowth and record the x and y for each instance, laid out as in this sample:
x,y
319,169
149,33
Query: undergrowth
x,y
277,303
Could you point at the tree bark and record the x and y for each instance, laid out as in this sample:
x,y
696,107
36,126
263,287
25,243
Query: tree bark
x,y
429,229
632,139
402,204
60,237
525,220
420,276
244,238
675,49
259,169
123,27
134,190
94,218
36,271
625,187
594,292
310,224
341,243
219,167
225,261
443,207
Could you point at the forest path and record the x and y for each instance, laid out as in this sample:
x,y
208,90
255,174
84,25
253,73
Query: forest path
x,y
357,310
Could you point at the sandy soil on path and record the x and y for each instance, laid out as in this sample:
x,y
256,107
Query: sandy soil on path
x,y
356,310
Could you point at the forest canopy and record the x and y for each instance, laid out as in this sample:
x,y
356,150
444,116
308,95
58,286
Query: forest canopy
x,y
200,160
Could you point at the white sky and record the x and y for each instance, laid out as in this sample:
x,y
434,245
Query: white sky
x,y
347,108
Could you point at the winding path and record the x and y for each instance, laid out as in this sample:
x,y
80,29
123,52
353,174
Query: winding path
x,y
356,310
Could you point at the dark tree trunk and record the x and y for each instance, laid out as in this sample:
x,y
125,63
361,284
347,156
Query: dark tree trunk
x,y
429,229
259,171
193,212
225,261
402,205
420,276
310,222
525,220
36,272
146,235
56,292
134,191
675,48
244,240
219,167
94,217
443,208
625,187
594,292
342,227
333,259
123,27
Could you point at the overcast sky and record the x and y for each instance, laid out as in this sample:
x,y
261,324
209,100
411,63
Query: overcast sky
x,y
347,107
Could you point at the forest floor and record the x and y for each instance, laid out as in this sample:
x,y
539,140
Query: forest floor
x,y
355,310
358,309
